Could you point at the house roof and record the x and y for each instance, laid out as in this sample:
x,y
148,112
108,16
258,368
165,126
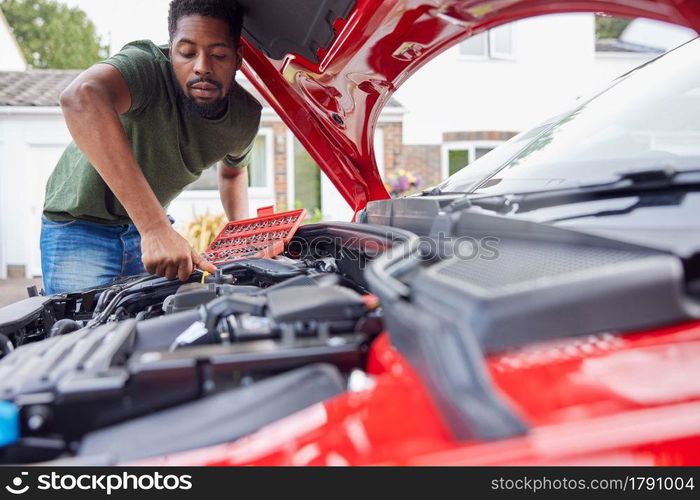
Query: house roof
x,y
35,87
42,87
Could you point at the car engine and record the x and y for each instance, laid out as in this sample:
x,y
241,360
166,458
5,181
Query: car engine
x,y
87,364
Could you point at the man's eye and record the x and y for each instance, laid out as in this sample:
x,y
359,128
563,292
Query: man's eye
x,y
218,56
188,56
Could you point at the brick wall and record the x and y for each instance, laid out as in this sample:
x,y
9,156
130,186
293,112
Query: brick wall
x,y
423,160
420,160
393,145
279,138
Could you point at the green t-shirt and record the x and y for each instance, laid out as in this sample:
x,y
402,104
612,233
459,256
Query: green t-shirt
x,y
172,146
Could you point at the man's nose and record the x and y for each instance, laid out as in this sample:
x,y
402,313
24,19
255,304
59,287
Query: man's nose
x,y
202,65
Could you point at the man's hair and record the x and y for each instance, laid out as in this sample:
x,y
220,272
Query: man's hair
x,y
226,10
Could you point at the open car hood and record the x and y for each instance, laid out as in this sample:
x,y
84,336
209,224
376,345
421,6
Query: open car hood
x,y
327,67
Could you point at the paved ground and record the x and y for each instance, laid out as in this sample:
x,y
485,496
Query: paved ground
x,y
16,289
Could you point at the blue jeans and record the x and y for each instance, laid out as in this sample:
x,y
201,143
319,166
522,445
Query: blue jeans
x,y
78,254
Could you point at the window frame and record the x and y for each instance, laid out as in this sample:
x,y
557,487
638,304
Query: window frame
x,y
469,146
490,54
485,56
504,56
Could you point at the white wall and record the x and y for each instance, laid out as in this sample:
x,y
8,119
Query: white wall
x,y
12,59
31,141
554,62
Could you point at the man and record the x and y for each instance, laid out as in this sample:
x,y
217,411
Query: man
x,y
146,123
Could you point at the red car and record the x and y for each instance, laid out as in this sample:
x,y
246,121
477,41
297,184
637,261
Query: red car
x,y
491,320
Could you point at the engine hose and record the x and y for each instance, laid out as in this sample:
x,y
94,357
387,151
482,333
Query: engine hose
x,y
6,345
64,326
103,300
100,318
217,309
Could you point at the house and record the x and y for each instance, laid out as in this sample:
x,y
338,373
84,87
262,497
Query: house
x,y
506,80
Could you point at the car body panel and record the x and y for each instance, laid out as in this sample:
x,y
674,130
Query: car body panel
x,y
603,404
332,106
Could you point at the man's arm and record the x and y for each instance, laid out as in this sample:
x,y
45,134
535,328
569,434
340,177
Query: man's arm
x,y
91,106
233,189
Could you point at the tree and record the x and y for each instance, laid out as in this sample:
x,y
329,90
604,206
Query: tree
x,y
609,26
52,35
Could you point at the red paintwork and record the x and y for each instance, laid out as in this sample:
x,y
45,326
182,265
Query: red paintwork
x,y
622,400
379,45
632,399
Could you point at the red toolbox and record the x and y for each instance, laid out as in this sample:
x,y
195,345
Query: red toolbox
x,y
264,236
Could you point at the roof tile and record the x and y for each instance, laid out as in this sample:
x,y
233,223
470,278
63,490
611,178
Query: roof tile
x,y
42,87
35,87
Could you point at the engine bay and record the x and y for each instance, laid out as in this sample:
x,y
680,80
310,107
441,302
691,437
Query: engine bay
x,y
78,364
145,367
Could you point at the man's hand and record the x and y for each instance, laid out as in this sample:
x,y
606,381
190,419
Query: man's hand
x,y
166,253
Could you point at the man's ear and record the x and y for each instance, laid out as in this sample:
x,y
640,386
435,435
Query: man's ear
x,y
239,56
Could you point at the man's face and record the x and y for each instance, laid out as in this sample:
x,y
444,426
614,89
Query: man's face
x,y
204,59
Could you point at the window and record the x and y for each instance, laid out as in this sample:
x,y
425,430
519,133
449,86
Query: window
x,y
493,44
475,46
457,155
501,42
259,170
457,158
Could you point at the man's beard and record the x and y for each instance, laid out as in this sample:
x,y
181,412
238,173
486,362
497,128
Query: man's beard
x,y
209,110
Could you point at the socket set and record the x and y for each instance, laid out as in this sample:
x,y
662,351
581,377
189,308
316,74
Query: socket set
x,y
264,236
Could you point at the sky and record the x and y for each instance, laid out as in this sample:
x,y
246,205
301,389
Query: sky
x,y
121,21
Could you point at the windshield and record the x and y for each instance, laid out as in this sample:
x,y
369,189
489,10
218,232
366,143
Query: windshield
x,y
647,119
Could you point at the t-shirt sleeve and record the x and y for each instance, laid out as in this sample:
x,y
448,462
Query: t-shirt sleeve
x,y
240,161
140,71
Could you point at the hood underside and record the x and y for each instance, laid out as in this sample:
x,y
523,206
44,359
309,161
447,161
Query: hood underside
x,y
327,67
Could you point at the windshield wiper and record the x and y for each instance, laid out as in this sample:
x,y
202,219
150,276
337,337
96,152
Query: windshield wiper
x,y
627,184
436,191
648,200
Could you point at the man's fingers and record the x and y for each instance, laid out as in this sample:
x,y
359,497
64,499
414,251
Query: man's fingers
x,y
161,269
150,267
185,269
168,254
171,271
203,264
